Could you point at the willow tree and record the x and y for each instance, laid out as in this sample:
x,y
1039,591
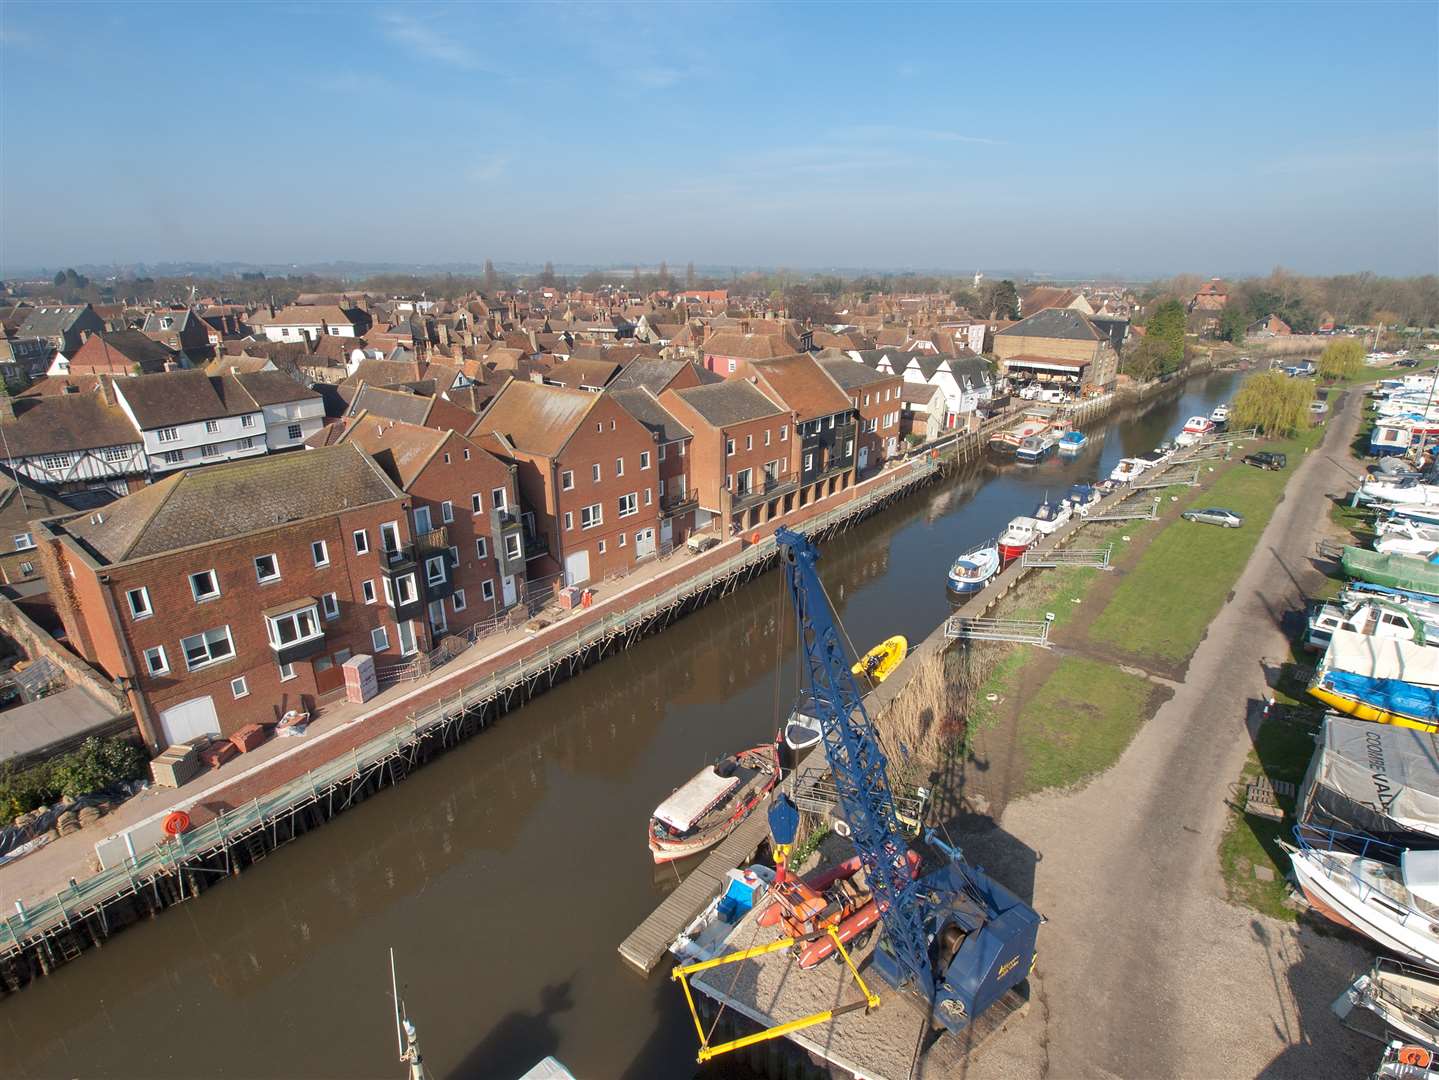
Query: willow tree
x,y
1272,402
1341,360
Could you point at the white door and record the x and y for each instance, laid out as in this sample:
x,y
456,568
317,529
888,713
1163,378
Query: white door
x,y
507,588
864,457
667,532
408,645
577,568
644,543
189,720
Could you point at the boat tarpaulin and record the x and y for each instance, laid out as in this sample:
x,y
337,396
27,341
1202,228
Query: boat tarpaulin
x,y
1421,874
1381,658
1392,571
1372,778
687,805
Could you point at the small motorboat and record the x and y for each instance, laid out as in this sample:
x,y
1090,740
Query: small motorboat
x,y
1081,497
880,661
1406,998
1196,428
1411,541
1050,517
1128,470
1072,442
1017,538
707,807
1371,616
838,897
1036,447
704,938
802,730
1405,492
1219,415
973,570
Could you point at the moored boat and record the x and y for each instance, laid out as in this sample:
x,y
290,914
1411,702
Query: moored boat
x,y
704,938
1196,428
1072,442
1219,415
1128,470
1050,517
1036,447
879,663
1081,497
706,808
973,570
1406,998
1017,538
802,730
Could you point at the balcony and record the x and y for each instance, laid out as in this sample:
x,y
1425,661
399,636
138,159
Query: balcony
x,y
671,505
768,487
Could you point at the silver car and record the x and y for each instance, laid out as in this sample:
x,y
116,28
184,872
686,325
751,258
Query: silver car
x,y
1215,515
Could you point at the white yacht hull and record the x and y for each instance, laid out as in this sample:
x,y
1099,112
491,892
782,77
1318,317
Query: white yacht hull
x,y
1382,920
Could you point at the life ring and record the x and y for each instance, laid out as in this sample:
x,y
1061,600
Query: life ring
x,y
1415,1055
754,537
177,822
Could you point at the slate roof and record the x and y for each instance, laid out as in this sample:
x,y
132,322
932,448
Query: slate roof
x,y
642,404
803,385
201,506
154,321
730,402
123,348
537,419
917,393
851,375
50,321
272,387
296,315
57,423
185,397
1062,323
392,404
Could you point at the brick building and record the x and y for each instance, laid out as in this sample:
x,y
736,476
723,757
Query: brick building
x,y
876,397
1057,345
675,492
822,417
226,596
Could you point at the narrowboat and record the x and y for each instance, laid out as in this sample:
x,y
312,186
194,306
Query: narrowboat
x,y
879,663
1050,517
1072,442
704,938
707,807
1017,538
972,570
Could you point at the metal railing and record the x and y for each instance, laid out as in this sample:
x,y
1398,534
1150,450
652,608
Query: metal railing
x,y
1016,631
1096,557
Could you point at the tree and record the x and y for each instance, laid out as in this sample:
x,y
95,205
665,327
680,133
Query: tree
x,y
689,275
966,298
1166,327
1000,300
804,304
1144,360
664,274
1232,324
59,278
1272,402
1341,360
492,279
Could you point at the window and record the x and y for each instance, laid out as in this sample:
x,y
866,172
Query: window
x,y
595,473
209,450
454,555
435,570
649,496
212,426
599,427
482,549
362,542
766,436
202,650
569,521
622,539
405,591
239,687
749,442
139,601
662,451
644,460
437,616
55,461
115,453
682,448
458,600
204,585
405,631
848,447
784,433
422,519
367,590
320,552
731,367
487,589
173,457
831,423
156,663
866,401
330,605
629,504
293,627
390,536
27,568
729,448
267,568
287,672
247,443
294,431
24,541
499,500
513,547
167,434
322,663
567,480
447,459
467,455
602,547
619,466
591,515
248,420
477,503
379,639
808,462
447,511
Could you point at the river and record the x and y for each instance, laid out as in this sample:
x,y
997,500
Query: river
x,y
506,872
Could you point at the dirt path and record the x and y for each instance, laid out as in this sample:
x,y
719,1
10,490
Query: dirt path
x,y
1145,970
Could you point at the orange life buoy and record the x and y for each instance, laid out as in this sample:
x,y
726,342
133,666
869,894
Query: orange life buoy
x,y
1415,1055
177,822
587,599
754,538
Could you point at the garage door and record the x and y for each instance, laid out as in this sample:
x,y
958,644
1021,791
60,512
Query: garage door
x,y
577,568
189,721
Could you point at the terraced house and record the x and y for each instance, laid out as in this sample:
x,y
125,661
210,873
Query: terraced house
x,y
222,597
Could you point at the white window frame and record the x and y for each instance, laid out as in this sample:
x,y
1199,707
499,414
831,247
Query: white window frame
x,y
595,473
454,556
287,671
784,433
380,639
447,511
729,448
514,547
361,540
644,460
649,496
24,541
212,427
322,556
569,521
239,687
629,505
272,627
499,499
487,589
392,528
477,503
367,590
619,466
329,606
248,420
205,636
167,434
137,614
151,668
662,450
267,578
482,548
596,514
567,480
457,600
431,564
214,580
404,584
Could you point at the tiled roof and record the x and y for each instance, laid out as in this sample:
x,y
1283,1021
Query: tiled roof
x,y
403,450
730,402
852,375
803,385
392,404
122,349
576,373
185,397
295,315
537,419
49,320
59,422
642,404
748,346
1061,323
199,506
653,375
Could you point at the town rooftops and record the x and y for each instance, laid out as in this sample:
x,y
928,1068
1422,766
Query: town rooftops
x,y
185,397
122,349
296,315
733,401
1065,323
50,320
536,419
401,405
802,385
748,346
58,423
202,506
403,450
851,375
642,404
576,373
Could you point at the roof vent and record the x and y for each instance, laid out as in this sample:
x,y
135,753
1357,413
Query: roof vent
x,y
97,519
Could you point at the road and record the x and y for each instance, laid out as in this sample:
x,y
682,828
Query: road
x,y
1145,970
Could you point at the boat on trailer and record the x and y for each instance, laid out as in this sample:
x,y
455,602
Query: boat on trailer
x,y
707,808
973,570
1404,997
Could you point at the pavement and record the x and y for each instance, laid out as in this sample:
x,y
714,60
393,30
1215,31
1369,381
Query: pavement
x,y
1145,969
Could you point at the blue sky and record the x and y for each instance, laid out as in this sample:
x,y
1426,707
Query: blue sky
x,y
1132,138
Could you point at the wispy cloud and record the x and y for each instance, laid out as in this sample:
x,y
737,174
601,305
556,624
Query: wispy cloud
x,y
886,133
424,40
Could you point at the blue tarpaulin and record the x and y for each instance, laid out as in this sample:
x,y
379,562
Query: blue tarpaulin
x,y
1392,695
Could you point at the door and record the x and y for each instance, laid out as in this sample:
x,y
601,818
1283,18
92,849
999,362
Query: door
x,y
863,458
644,543
507,589
667,532
189,720
437,617
577,568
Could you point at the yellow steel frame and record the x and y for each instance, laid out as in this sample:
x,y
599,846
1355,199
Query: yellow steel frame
x,y
706,1052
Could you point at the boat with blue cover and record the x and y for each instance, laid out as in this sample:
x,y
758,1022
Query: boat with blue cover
x,y
973,570
1072,442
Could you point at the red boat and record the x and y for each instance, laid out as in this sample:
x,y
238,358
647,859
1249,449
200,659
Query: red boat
x,y
1017,538
837,897
706,809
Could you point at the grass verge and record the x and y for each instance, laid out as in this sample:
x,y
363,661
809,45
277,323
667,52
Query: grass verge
x,y
1079,722
1165,604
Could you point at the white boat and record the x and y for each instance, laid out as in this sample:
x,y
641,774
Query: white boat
x,y
1418,547
1367,616
1394,904
1398,492
1127,469
1220,414
973,570
1050,517
1405,998
705,937
802,730
1196,429
1081,497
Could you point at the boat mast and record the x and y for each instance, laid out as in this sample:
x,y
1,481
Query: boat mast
x,y
407,1039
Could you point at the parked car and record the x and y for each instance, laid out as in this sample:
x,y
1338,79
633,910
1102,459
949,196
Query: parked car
x,y
1318,408
1215,515
1267,459
1408,361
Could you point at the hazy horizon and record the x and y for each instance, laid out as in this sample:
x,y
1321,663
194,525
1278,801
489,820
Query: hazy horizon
x,y
1105,141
